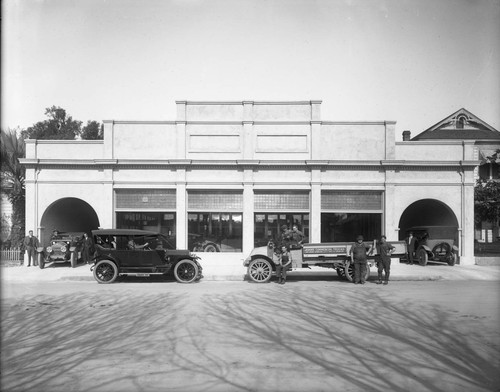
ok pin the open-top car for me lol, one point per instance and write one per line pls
(435, 243)
(63, 248)
(140, 253)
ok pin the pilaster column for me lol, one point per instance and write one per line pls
(248, 140)
(181, 210)
(248, 210)
(390, 140)
(316, 146)
(180, 136)
(315, 218)
(108, 139)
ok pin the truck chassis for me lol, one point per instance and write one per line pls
(261, 264)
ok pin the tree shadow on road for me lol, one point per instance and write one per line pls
(343, 340)
(86, 342)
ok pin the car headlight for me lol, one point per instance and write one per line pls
(49, 249)
(63, 249)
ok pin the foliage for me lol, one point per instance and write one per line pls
(487, 200)
(92, 131)
(12, 178)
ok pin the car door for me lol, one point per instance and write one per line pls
(133, 258)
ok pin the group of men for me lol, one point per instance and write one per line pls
(284, 245)
(359, 253)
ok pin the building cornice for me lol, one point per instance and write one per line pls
(173, 164)
(314, 101)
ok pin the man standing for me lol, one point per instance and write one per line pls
(30, 244)
(283, 264)
(296, 236)
(359, 259)
(384, 250)
(410, 244)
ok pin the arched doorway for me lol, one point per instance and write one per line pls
(426, 212)
(68, 214)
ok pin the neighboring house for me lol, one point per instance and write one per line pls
(463, 125)
(6, 221)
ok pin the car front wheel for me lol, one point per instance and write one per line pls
(73, 259)
(422, 257)
(260, 270)
(105, 271)
(186, 271)
(41, 261)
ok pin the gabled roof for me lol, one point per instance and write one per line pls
(461, 125)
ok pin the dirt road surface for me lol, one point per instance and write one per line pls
(314, 335)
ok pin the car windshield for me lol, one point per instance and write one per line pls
(159, 242)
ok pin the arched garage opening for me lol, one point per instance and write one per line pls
(68, 214)
(426, 212)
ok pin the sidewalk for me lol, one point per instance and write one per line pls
(399, 271)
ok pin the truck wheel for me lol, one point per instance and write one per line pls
(73, 259)
(186, 271)
(260, 270)
(422, 257)
(349, 271)
(451, 258)
(41, 261)
(105, 272)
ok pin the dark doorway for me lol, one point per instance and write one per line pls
(426, 212)
(68, 214)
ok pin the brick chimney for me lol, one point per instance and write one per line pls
(406, 136)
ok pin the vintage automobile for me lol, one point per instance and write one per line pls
(260, 264)
(435, 243)
(63, 248)
(149, 253)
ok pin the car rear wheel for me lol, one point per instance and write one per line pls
(260, 270)
(349, 271)
(41, 261)
(451, 258)
(186, 271)
(105, 271)
(422, 257)
(73, 259)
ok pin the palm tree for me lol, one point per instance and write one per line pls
(12, 148)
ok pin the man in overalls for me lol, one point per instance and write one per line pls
(359, 259)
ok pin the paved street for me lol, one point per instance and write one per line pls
(316, 334)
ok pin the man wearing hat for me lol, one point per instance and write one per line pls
(281, 256)
(359, 259)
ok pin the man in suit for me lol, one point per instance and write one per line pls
(30, 244)
(410, 243)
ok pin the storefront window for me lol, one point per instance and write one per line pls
(162, 222)
(344, 227)
(267, 225)
(215, 231)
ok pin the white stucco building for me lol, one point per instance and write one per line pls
(230, 173)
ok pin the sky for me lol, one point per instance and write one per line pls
(410, 61)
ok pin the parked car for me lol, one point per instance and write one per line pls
(140, 253)
(435, 243)
(63, 248)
